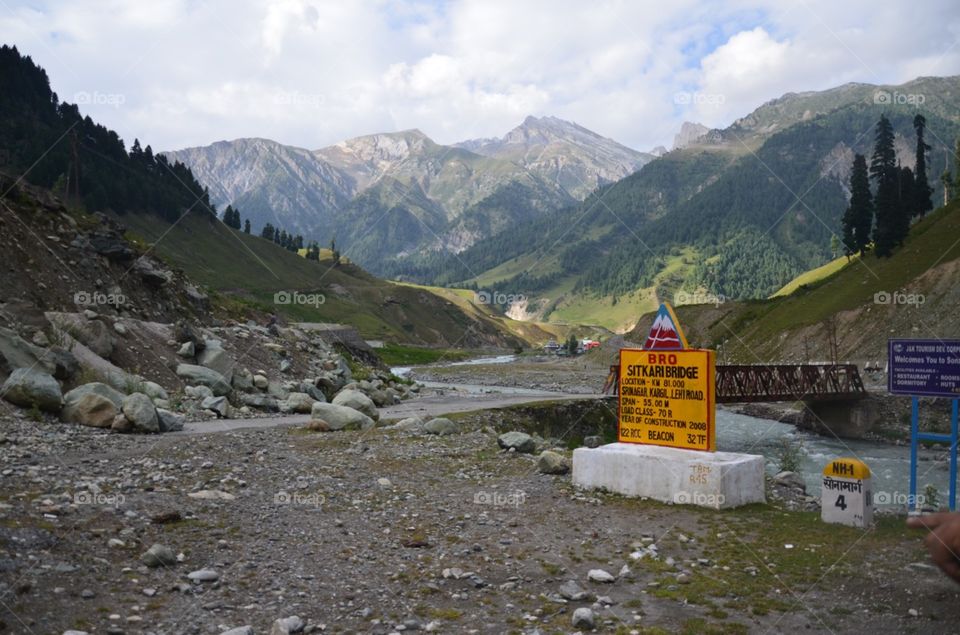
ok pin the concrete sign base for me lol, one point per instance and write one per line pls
(719, 480)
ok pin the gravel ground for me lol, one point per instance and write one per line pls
(386, 531)
(550, 373)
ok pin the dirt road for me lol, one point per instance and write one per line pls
(435, 405)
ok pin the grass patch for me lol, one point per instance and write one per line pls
(399, 354)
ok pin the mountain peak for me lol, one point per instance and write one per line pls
(689, 133)
(564, 152)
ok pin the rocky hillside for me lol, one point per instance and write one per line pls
(387, 197)
(289, 187)
(576, 159)
(61, 259)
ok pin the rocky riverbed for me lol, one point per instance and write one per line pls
(386, 531)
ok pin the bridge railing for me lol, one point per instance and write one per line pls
(788, 382)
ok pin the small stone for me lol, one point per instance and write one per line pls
(87, 594)
(440, 426)
(240, 630)
(517, 441)
(583, 618)
(570, 590)
(913, 613)
(599, 575)
(159, 555)
(553, 463)
(384, 482)
(287, 626)
(592, 441)
(116, 543)
(212, 495)
(204, 575)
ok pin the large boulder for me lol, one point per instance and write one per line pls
(28, 387)
(358, 401)
(154, 390)
(205, 377)
(151, 272)
(340, 417)
(218, 405)
(96, 388)
(260, 402)
(315, 393)
(16, 352)
(410, 424)
(140, 412)
(170, 421)
(90, 409)
(551, 462)
(214, 356)
(96, 336)
(198, 392)
(517, 441)
(299, 402)
(243, 380)
(441, 426)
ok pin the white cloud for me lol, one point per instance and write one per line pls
(312, 72)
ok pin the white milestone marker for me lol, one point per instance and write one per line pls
(846, 497)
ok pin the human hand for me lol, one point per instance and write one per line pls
(943, 541)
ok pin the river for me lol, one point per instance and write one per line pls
(889, 464)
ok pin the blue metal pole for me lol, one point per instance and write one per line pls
(953, 455)
(914, 433)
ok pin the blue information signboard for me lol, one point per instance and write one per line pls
(928, 368)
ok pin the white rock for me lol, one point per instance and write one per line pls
(599, 575)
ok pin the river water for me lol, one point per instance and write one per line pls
(889, 464)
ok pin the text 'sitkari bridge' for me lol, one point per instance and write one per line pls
(738, 383)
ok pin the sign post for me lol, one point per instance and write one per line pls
(668, 390)
(846, 497)
(929, 368)
(668, 399)
(666, 429)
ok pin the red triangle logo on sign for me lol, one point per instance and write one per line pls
(665, 334)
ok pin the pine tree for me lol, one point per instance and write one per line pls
(246, 226)
(955, 190)
(921, 187)
(888, 232)
(908, 196)
(858, 218)
(336, 253)
(267, 232)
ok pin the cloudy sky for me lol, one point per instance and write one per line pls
(312, 72)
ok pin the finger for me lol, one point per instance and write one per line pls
(930, 521)
(952, 569)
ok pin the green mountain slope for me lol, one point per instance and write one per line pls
(857, 301)
(247, 272)
(748, 214)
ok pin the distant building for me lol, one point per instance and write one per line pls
(551, 347)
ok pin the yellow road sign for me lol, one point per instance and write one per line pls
(846, 467)
(668, 398)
